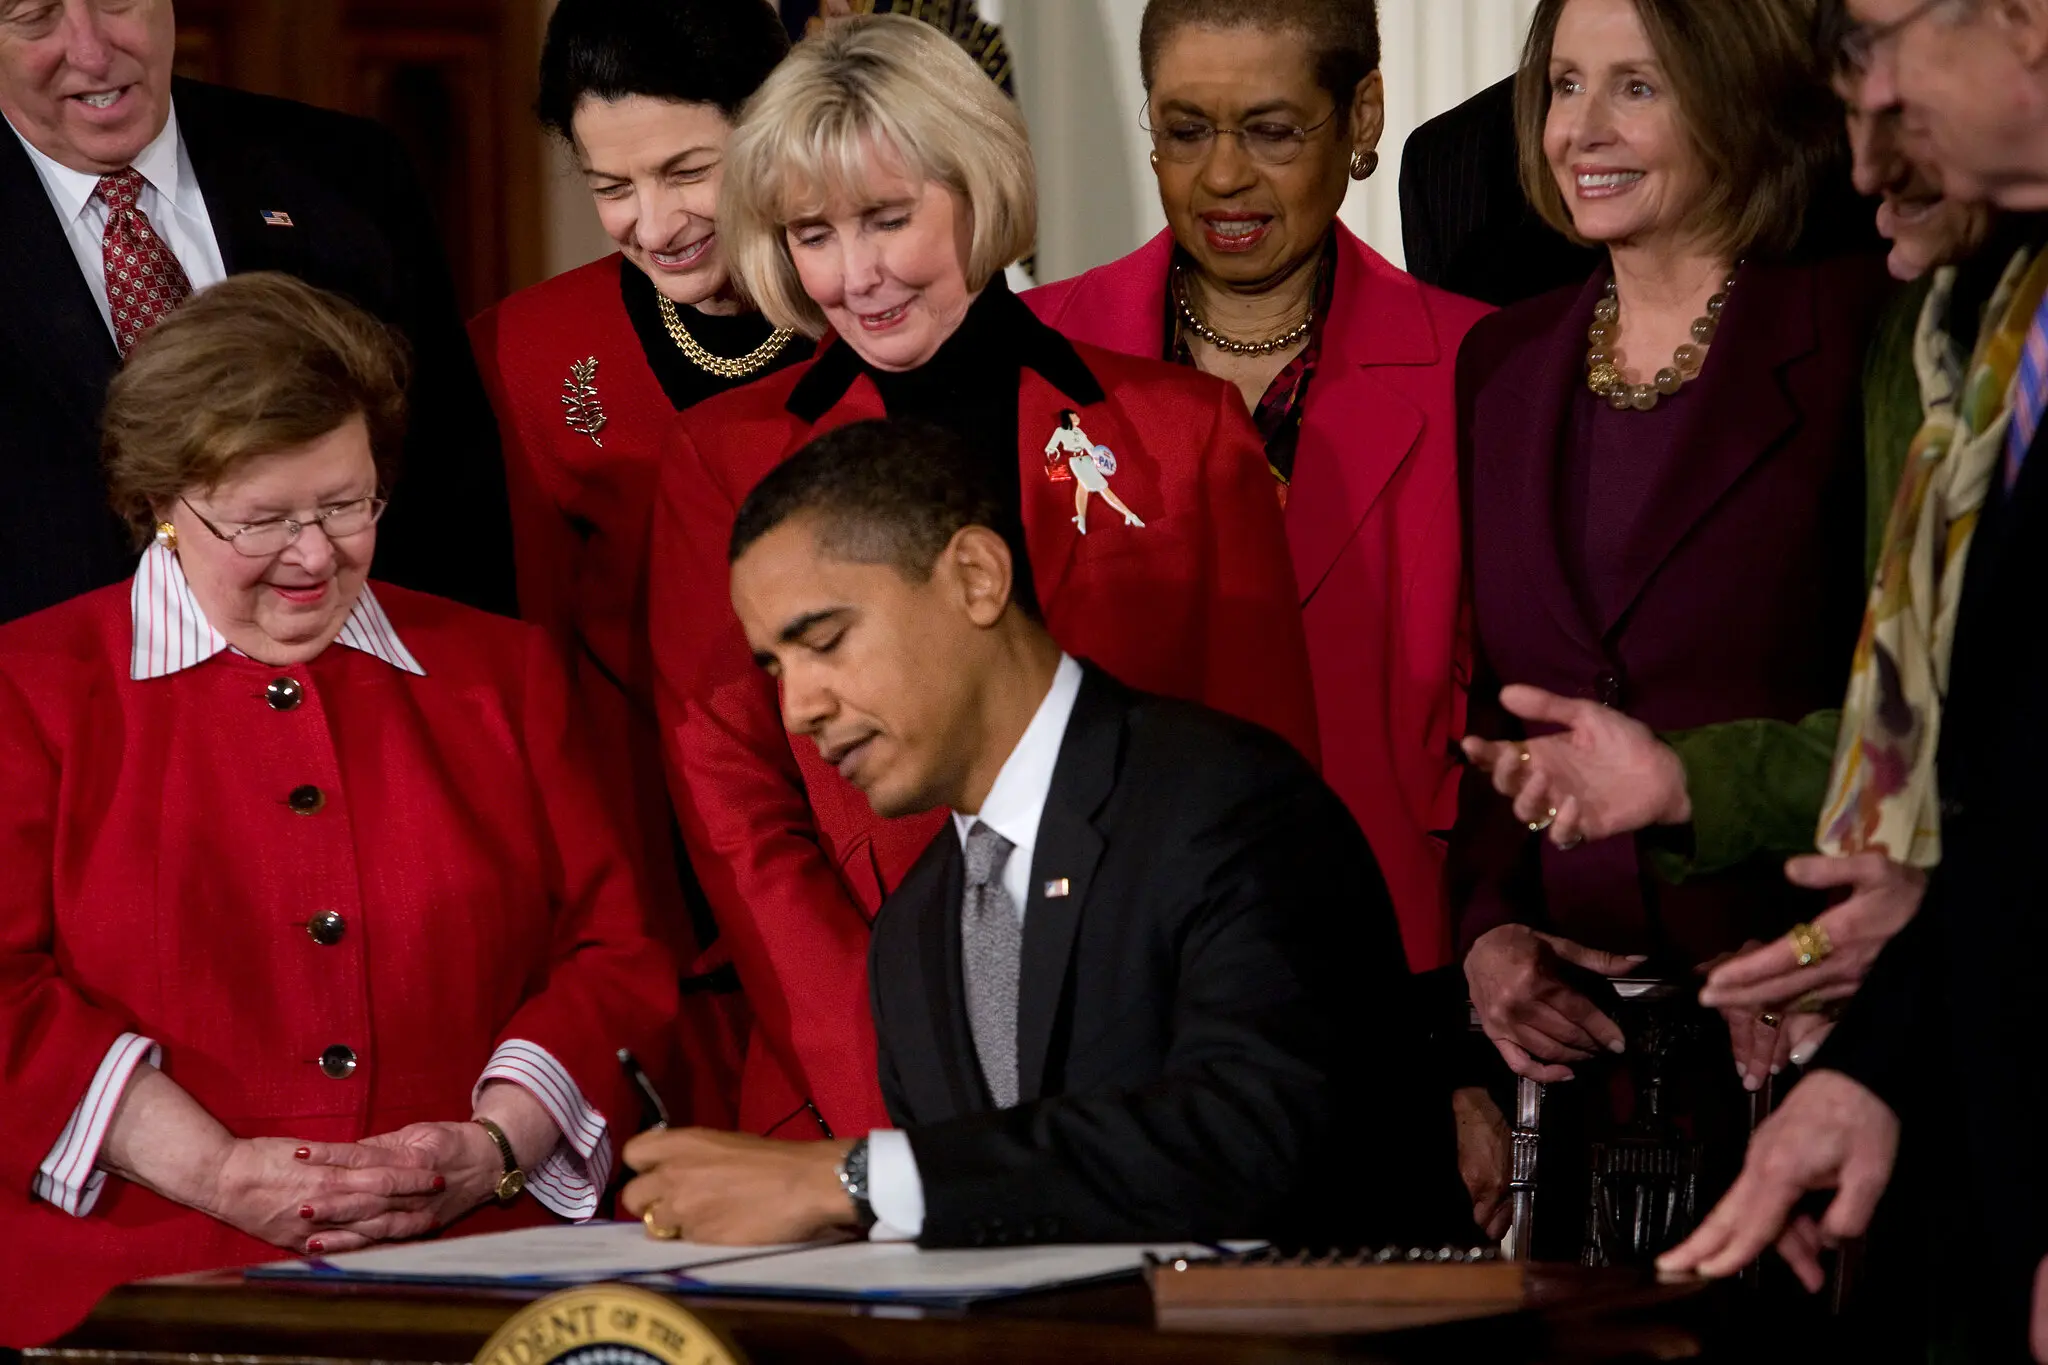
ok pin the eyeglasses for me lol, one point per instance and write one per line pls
(1270, 142)
(1860, 44)
(262, 539)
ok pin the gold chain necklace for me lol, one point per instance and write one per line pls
(1230, 345)
(1603, 374)
(739, 367)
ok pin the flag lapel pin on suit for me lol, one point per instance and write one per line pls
(277, 218)
(1059, 888)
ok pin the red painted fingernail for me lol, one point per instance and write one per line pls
(316, 1246)
(304, 1154)
(440, 1184)
(306, 1212)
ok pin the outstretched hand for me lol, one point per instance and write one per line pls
(1830, 1134)
(1601, 774)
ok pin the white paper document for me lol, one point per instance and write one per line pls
(901, 1270)
(574, 1253)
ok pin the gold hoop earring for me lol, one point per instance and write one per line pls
(167, 535)
(1155, 161)
(1363, 164)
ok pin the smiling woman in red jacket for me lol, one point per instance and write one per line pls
(1262, 113)
(877, 186)
(312, 932)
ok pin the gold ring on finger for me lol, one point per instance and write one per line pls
(1549, 817)
(657, 1231)
(1810, 942)
(1767, 1019)
(1525, 755)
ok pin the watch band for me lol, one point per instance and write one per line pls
(853, 1178)
(513, 1181)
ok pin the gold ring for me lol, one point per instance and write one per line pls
(1810, 942)
(657, 1231)
(1767, 1019)
(1538, 826)
(1525, 755)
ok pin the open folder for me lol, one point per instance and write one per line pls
(583, 1253)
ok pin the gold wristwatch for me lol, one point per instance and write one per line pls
(513, 1181)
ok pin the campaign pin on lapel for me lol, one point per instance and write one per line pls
(277, 218)
(1059, 888)
(1070, 457)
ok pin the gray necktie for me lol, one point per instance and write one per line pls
(991, 951)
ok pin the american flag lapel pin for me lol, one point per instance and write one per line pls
(1059, 888)
(277, 218)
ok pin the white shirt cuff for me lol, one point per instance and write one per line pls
(70, 1176)
(572, 1177)
(895, 1189)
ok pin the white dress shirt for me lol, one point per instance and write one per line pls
(171, 635)
(1015, 804)
(170, 200)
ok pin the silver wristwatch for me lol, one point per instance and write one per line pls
(853, 1178)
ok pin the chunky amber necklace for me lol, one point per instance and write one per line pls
(1603, 374)
(739, 367)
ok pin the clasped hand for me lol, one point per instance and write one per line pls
(325, 1197)
(1536, 1020)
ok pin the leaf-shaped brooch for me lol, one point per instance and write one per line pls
(585, 412)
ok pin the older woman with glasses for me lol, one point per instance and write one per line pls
(311, 933)
(876, 187)
(1262, 114)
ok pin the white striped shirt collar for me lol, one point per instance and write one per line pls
(172, 633)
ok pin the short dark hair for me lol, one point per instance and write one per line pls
(1343, 35)
(692, 51)
(890, 492)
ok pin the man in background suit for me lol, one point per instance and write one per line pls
(1465, 224)
(1147, 985)
(114, 174)
(1941, 1046)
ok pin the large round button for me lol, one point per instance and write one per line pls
(327, 927)
(284, 694)
(338, 1062)
(306, 800)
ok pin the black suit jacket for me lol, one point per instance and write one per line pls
(360, 227)
(1214, 1036)
(1947, 1029)
(1465, 225)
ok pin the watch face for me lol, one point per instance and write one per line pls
(511, 1185)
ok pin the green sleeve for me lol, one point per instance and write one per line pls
(1756, 787)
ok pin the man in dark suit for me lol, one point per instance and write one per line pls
(1146, 986)
(1465, 224)
(1941, 1046)
(121, 191)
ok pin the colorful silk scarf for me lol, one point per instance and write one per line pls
(1882, 795)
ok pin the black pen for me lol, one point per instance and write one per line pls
(650, 1099)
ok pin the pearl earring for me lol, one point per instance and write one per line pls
(167, 535)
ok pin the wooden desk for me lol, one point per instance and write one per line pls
(1571, 1317)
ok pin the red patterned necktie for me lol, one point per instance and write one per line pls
(144, 280)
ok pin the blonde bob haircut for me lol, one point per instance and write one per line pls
(877, 85)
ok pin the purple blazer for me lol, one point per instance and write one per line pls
(1743, 583)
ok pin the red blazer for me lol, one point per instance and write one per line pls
(1198, 603)
(580, 510)
(157, 882)
(1373, 526)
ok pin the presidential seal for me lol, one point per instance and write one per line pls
(607, 1324)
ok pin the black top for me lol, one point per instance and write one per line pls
(1613, 465)
(969, 386)
(686, 383)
